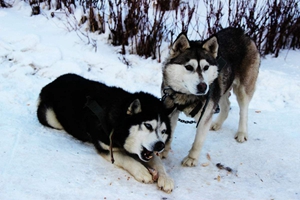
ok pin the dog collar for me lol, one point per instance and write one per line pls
(169, 92)
(194, 111)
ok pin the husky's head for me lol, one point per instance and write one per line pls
(148, 127)
(191, 66)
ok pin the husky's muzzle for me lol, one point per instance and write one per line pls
(146, 155)
(202, 88)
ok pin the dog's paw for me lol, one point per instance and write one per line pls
(215, 126)
(142, 174)
(241, 137)
(165, 183)
(189, 162)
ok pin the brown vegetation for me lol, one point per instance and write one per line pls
(140, 26)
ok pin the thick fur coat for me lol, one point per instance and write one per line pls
(128, 129)
(199, 75)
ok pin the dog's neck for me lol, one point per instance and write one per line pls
(179, 97)
(180, 101)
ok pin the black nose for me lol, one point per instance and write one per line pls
(201, 87)
(159, 146)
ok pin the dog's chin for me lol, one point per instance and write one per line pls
(201, 93)
(195, 92)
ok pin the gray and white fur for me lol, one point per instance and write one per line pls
(199, 73)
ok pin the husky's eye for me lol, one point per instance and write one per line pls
(205, 67)
(148, 126)
(189, 67)
(164, 131)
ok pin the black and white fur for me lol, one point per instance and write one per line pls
(194, 78)
(138, 122)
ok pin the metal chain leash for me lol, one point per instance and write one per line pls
(217, 110)
(186, 121)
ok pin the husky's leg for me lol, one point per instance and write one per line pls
(224, 104)
(164, 182)
(135, 168)
(243, 101)
(202, 129)
(244, 87)
(173, 120)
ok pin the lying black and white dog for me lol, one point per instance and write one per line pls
(127, 129)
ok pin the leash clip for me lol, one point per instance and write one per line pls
(166, 94)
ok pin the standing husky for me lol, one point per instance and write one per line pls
(200, 74)
(128, 129)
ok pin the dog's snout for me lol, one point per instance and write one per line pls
(201, 87)
(159, 146)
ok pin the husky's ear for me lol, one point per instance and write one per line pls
(180, 44)
(134, 108)
(211, 46)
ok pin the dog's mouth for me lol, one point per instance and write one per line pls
(146, 155)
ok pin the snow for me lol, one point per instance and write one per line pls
(41, 163)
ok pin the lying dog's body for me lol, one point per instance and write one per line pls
(199, 75)
(129, 128)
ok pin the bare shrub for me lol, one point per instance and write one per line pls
(141, 26)
(273, 26)
(150, 35)
(167, 5)
(283, 21)
(35, 7)
(214, 15)
(130, 23)
(4, 4)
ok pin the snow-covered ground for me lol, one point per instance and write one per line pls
(42, 163)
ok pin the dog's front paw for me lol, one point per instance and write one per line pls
(215, 126)
(142, 174)
(165, 183)
(241, 136)
(189, 162)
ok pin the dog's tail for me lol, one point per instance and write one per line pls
(47, 116)
(41, 113)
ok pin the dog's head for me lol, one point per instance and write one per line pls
(191, 66)
(148, 127)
